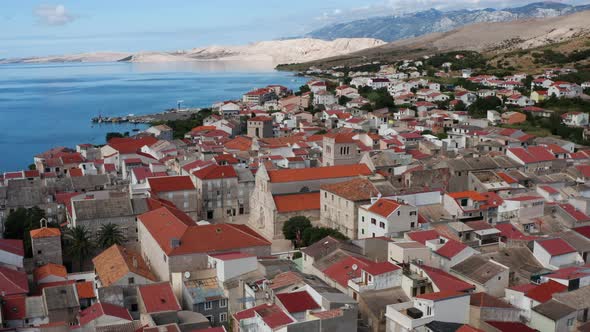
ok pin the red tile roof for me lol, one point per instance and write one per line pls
(445, 281)
(384, 207)
(297, 301)
(101, 309)
(534, 154)
(216, 172)
(359, 189)
(376, 269)
(318, 173)
(297, 202)
(13, 282)
(128, 145)
(569, 273)
(85, 290)
(13, 246)
(342, 270)
(556, 247)
(510, 326)
(14, 307)
(271, 314)
(473, 195)
(165, 225)
(423, 236)
(583, 230)
(50, 269)
(451, 249)
(45, 232)
(574, 212)
(544, 292)
(171, 183)
(158, 297)
(510, 232)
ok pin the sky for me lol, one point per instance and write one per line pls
(37, 28)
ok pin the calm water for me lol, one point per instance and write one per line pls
(47, 105)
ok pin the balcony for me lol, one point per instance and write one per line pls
(398, 314)
(359, 285)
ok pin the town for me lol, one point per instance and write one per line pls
(419, 195)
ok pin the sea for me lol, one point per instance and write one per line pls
(48, 105)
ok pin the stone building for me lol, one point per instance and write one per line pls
(339, 204)
(179, 190)
(260, 126)
(46, 245)
(340, 149)
(272, 183)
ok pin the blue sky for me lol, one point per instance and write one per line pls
(30, 28)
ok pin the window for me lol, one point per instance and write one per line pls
(363, 218)
(38, 252)
(412, 225)
(134, 307)
(399, 212)
(570, 322)
(382, 225)
(428, 311)
(210, 318)
(131, 280)
(223, 303)
(373, 221)
(412, 213)
(208, 305)
(363, 231)
(222, 317)
(164, 257)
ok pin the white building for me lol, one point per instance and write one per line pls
(386, 217)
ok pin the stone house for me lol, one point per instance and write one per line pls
(179, 190)
(46, 246)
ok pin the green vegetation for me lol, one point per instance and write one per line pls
(20, 222)
(114, 134)
(79, 244)
(549, 56)
(108, 235)
(379, 98)
(479, 109)
(300, 230)
(181, 127)
(580, 77)
(564, 105)
(470, 59)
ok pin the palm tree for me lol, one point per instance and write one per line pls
(79, 243)
(110, 234)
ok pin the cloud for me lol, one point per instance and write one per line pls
(53, 15)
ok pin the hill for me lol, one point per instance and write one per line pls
(270, 53)
(392, 28)
(491, 38)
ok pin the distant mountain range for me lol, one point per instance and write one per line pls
(392, 28)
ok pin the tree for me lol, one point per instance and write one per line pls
(312, 235)
(20, 222)
(108, 235)
(294, 228)
(343, 100)
(79, 244)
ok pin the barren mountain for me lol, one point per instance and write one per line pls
(271, 52)
(483, 37)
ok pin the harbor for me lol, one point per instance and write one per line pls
(168, 115)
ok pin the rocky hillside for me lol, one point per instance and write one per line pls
(392, 28)
(491, 38)
(271, 53)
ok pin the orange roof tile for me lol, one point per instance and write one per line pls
(297, 202)
(474, 195)
(171, 183)
(45, 232)
(116, 262)
(85, 290)
(50, 269)
(164, 226)
(384, 207)
(318, 173)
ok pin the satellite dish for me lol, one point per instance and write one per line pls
(355, 267)
(187, 275)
